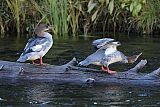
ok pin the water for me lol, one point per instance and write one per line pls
(65, 95)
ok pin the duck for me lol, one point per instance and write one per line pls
(107, 54)
(37, 46)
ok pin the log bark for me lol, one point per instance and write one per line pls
(13, 72)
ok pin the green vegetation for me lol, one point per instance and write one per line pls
(81, 16)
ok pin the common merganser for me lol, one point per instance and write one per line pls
(37, 46)
(106, 55)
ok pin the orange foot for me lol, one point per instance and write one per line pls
(108, 71)
(40, 64)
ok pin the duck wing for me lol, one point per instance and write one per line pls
(94, 58)
(98, 43)
(35, 44)
(113, 58)
(108, 48)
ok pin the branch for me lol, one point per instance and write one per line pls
(139, 66)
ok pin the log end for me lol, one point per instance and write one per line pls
(139, 66)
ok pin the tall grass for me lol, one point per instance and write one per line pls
(1, 26)
(74, 11)
(58, 16)
(15, 8)
(81, 16)
(149, 19)
(55, 13)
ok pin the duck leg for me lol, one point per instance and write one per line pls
(33, 62)
(41, 62)
(106, 69)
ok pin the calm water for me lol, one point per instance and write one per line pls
(64, 49)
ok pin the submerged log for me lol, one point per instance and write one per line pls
(13, 72)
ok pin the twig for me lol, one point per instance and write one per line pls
(1, 68)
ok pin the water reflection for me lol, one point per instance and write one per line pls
(78, 96)
(63, 50)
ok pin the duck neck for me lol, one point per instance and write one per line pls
(114, 48)
(41, 34)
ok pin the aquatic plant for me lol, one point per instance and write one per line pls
(53, 12)
(58, 16)
(15, 8)
(149, 18)
(81, 16)
(1, 26)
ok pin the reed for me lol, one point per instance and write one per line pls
(74, 11)
(81, 16)
(149, 19)
(58, 16)
(55, 13)
(15, 8)
(1, 26)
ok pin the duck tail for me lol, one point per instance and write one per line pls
(83, 63)
(22, 59)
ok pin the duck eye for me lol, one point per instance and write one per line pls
(46, 26)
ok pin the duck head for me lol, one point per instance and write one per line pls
(111, 45)
(133, 58)
(41, 29)
(116, 43)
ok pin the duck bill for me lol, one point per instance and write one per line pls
(49, 29)
(116, 43)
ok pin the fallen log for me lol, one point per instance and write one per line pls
(13, 72)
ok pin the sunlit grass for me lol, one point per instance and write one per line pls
(80, 16)
(58, 16)
(15, 8)
(149, 18)
(1, 26)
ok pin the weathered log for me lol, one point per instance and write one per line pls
(13, 72)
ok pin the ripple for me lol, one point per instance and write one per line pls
(95, 103)
(143, 94)
(1, 99)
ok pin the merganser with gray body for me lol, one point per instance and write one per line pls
(37, 46)
(106, 55)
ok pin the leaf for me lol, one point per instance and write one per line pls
(22, 0)
(138, 8)
(94, 16)
(123, 5)
(107, 2)
(144, 1)
(91, 7)
(101, 1)
(134, 13)
(90, 2)
(131, 7)
(69, 17)
(111, 6)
